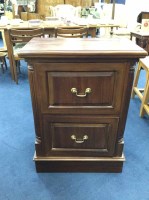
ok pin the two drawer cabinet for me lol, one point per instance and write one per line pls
(80, 91)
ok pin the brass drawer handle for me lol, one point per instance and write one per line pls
(79, 140)
(87, 91)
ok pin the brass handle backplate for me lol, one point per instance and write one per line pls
(87, 91)
(79, 140)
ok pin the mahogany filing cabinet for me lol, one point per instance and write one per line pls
(80, 89)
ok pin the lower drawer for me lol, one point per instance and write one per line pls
(80, 136)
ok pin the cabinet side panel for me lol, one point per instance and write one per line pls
(129, 75)
(37, 120)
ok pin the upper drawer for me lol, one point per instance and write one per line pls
(81, 88)
(81, 91)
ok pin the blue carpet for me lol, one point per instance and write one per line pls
(18, 178)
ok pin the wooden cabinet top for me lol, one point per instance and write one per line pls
(80, 47)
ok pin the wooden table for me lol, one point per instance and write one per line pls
(142, 39)
(80, 92)
(49, 29)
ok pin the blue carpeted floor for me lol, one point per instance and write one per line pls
(18, 178)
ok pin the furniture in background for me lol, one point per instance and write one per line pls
(127, 19)
(113, 12)
(25, 16)
(49, 29)
(143, 39)
(143, 94)
(80, 90)
(142, 15)
(60, 8)
(43, 8)
(44, 11)
(26, 13)
(65, 11)
(16, 39)
(71, 32)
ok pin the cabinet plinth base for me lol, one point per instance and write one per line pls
(88, 164)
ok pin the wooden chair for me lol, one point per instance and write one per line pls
(71, 32)
(143, 94)
(17, 39)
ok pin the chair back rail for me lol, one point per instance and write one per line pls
(18, 36)
(71, 32)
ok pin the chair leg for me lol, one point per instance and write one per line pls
(15, 72)
(2, 67)
(145, 101)
(18, 66)
(5, 63)
(135, 83)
